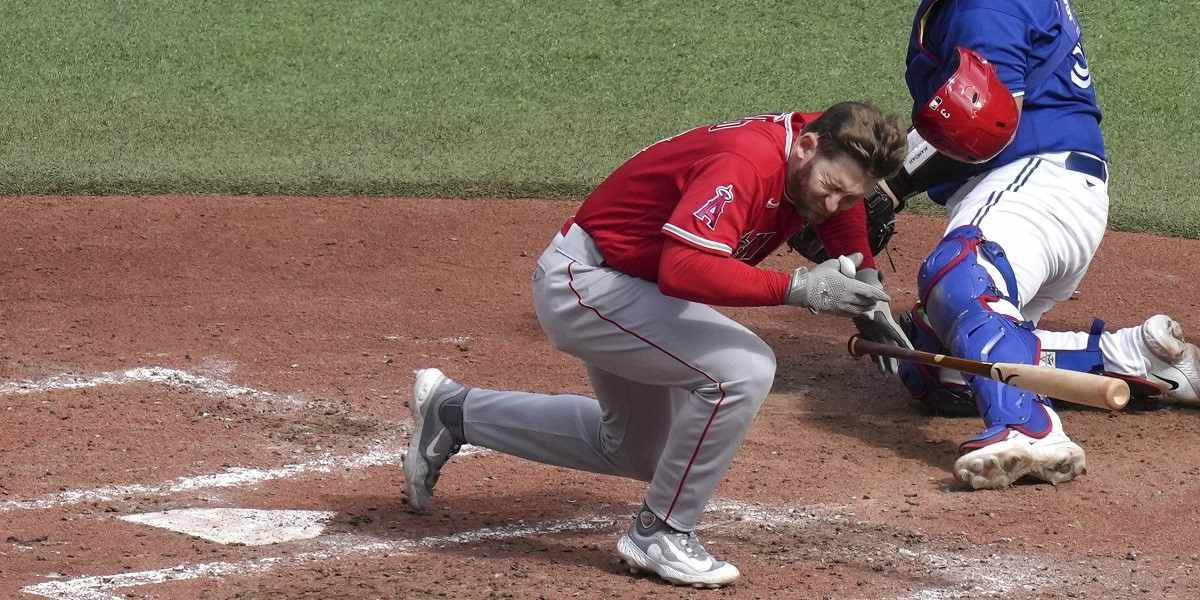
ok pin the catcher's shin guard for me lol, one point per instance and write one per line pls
(958, 294)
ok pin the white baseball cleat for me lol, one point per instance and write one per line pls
(431, 443)
(1172, 362)
(676, 556)
(1053, 458)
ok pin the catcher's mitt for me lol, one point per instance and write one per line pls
(881, 224)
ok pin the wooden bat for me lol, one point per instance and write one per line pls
(1070, 386)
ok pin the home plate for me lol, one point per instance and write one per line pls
(239, 525)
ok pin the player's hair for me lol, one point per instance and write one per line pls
(859, 130)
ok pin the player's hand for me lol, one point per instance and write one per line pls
(878, 325)
(831, 287)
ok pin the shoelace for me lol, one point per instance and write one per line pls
(691, 544)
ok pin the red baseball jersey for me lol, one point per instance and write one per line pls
(716, 188)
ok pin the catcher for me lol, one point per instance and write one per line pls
(1007, 137)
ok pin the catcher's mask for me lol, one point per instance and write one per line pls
(972, 117)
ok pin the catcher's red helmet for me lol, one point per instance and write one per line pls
(972, 116)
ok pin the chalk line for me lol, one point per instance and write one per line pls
(160, 375)
(383, 455)
(970, 575)
(100, 587)
(976, 577)
(337, 547)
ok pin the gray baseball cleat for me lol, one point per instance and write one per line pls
(431, 443)
(1173, 363)
(676, 556)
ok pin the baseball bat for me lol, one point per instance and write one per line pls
(1069, 386)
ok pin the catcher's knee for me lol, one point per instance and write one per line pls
(965, 274)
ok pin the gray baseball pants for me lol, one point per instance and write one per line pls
(677, 384)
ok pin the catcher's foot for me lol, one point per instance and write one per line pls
(1053, 458)
(1173, 363)
(431, 443)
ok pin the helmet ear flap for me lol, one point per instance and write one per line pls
(972, 116)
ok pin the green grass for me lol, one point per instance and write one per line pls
(1143, 56)
(500, 98)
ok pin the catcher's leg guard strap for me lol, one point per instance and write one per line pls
(1087, 360)
(958, 293)
(1091, 360)
(994, 254)
(920, 379)
(924, 382)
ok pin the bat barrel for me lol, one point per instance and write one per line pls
(1071, 386)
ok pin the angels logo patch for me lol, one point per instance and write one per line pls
(710, 212)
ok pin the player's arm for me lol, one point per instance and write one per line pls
(968, 116)
(701, 235)
(967, 119)
(687, 273)
(704, 230)
(924, 167)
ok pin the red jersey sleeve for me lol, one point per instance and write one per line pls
(711, 216)
(688, 273)
(846, 233)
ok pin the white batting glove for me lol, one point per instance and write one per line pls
(831, 287)
(878, 325)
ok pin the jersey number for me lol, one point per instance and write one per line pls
(1080, 75)
(746, 121)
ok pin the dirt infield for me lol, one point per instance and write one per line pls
(167, 355)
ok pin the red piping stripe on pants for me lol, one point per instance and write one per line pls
(720, 387)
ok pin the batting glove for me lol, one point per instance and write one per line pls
(831, 287)
(878, 325)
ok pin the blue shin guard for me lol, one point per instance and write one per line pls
(957, 291)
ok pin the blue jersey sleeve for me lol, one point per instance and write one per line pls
(1000, 36)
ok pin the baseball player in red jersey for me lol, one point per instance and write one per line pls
(628, 286)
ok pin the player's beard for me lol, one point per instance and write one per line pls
(794, 188)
